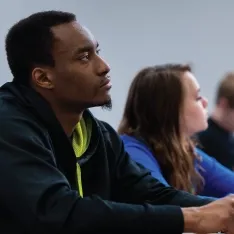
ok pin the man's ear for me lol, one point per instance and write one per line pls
(43, 78)
(223, 103)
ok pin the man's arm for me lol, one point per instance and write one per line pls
(39, 197)
(136, 184)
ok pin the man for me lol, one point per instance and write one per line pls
(218, 140)
(62, 170)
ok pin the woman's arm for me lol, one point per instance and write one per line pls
(142, 155)
(219, 181)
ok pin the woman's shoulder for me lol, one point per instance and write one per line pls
(133, 141)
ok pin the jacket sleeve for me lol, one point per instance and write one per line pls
(134, 179)
(38, 196)
(219, 181)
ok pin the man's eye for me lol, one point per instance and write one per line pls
(84, 57)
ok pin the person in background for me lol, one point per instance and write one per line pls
(64, 171)
(164, 109)
(218, 140)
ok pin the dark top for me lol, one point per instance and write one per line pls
(38, 179)
(218, 143)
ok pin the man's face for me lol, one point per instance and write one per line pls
(80, 75)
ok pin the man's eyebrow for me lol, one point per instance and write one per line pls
(86, 48)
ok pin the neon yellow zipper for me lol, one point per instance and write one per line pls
(78, 171)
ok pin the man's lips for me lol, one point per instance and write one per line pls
(106, 83)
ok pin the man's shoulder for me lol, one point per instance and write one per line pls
(16, 119)
(107, 129)
(106, 126)
(110, 135)
(103, 125)
(10, 106)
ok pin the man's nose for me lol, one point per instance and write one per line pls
(103, 67)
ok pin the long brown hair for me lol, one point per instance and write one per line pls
(152, 112)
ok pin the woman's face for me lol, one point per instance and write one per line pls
(194, 113)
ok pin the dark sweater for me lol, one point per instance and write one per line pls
(38, 179)
(218, 143)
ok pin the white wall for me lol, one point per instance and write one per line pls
(133, 34)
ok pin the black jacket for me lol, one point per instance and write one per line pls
(38, 179)
(218, 143)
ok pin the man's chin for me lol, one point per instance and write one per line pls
(107, 105)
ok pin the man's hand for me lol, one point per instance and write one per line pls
(212, 218)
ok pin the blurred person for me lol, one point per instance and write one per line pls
(64, 171)
(164, 109)
(218, 140)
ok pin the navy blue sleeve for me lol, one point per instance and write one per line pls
(219, 181)
(143, 156)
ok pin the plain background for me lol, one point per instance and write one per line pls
(133, 34)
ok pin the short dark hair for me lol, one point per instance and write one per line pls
(29, 42)
(225, 89)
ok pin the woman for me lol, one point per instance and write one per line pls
(164, 109)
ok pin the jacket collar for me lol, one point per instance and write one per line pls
(41, 109)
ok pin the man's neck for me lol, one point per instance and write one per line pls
(67, 118)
